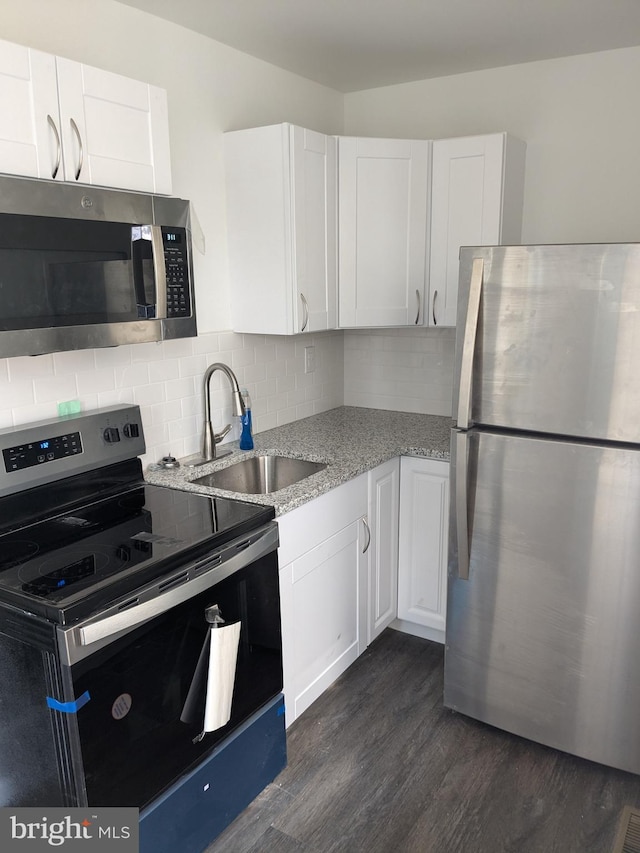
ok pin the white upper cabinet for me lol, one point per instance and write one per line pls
(115, 131)
(281, 229)
(383, 206)
(66, 121)
(477, 188)
(29, 122)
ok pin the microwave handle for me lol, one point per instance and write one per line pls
(159, 272)
(143, 239)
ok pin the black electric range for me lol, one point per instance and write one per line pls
(79, 527)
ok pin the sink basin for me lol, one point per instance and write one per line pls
(260, 475)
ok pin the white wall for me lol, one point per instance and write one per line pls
(577, 116)
(211, 88)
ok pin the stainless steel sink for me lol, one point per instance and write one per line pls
(260, 475)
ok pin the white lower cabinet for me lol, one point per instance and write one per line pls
(353, 560)
(422, 569)
(323, 591)
(384, 486)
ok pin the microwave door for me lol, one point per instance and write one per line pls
(149, 273)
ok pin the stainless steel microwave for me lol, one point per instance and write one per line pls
(84, 267)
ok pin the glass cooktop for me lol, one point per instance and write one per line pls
(66, 565)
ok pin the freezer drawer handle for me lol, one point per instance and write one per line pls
(462, 527)
(469, 344)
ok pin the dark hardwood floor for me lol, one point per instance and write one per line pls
(377, 764)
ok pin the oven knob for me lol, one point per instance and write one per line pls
(131, 430)
(111, 434)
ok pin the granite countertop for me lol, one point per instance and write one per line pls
(350, 440)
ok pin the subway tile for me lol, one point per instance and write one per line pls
(55, 389)
(73, 362)
(146, 352)
(95, 381)
(17, 394)
(194, 365)
(112, 357)
(132, 375)
(147, 395)
(30, 367)
(207, 345)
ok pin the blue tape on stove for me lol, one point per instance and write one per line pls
(69, 707)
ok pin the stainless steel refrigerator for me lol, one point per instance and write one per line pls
(543, 613)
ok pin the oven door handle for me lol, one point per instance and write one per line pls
(75, 642)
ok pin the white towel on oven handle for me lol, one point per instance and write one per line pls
(223, 654)
(219, 655)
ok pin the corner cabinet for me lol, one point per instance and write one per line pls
(68, 121)
(477, 187)
(422, 569)
(281, 229)
(383, 192)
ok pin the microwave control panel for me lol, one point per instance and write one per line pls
(176, 263)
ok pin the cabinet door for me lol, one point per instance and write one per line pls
(30, 141)
(313, 187)
(115, 130)
(383, 190)
(476, 200)
(422, 571)
(281, 229)
(323, 591)
(384, 484)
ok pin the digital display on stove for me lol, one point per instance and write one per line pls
(40, 452)
(44, 585)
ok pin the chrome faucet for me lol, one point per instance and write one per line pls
(210, 438)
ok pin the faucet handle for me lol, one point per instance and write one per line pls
(218, 436)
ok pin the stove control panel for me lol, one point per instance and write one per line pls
(42, 452)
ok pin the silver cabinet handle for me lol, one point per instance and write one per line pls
(418, 314)
(469, 344)
(53, 127)
(305, 305)
(433, 307)
(368, 532)
(462, 525)
(74, 128)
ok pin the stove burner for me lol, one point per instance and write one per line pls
(18, 551)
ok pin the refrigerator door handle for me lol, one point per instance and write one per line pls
(469, 344)
(462, 524)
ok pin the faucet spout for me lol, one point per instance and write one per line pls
(210, 438)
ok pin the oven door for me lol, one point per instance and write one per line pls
(137, 732)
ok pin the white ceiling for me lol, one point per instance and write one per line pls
(351, 45)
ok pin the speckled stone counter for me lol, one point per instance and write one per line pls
(348, 439)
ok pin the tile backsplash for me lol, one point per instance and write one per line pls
(165, 380)
(407, 370)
